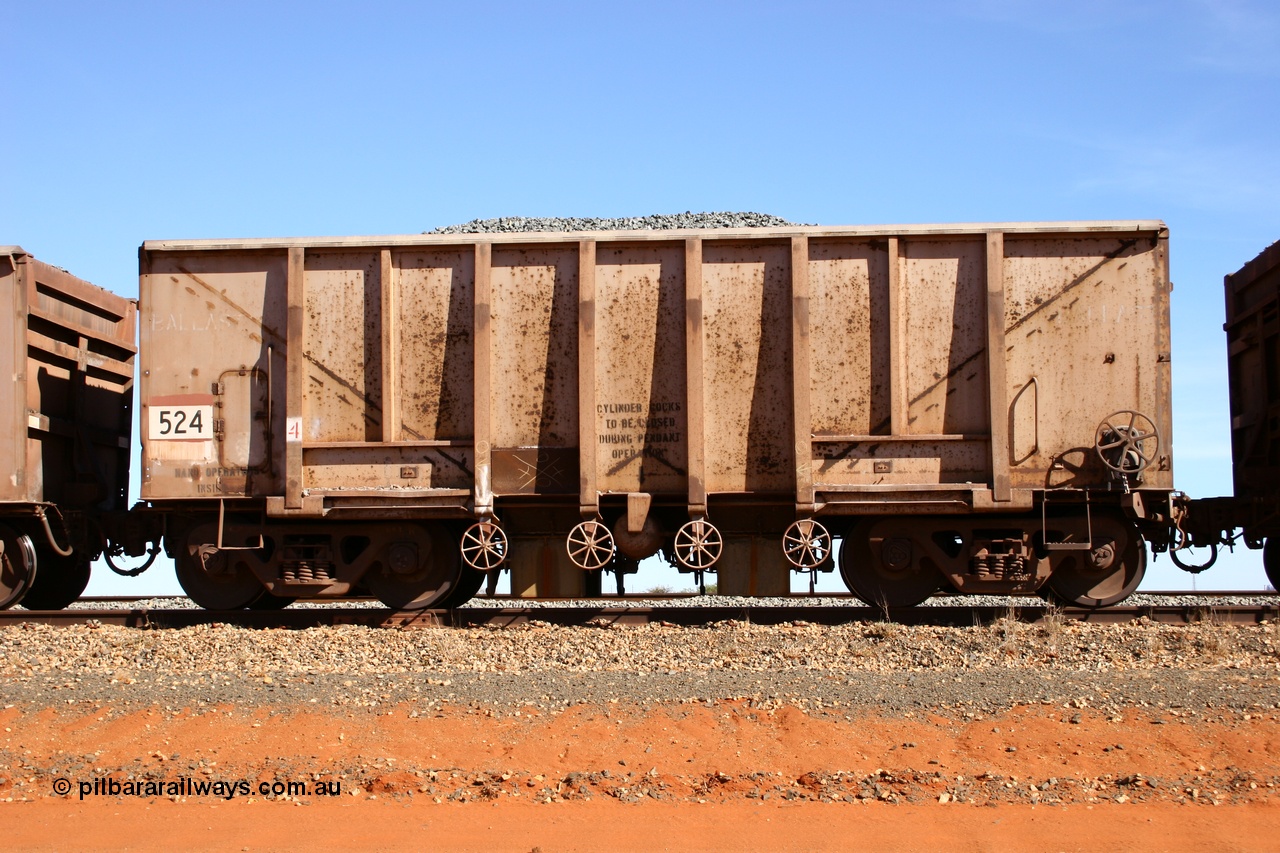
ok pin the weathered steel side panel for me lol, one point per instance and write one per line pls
(899, 326)
(343, 311)
(14, 484)
(67, 397)
(394, 470)
(534, 399)
(1070, 300)
(746, 305)
(434, 323)
(1085, 326)
(214, 334)
(1253, 369)
(849, 315)
(216, 323)
(944, 287)
(640, 419)
(691, 385)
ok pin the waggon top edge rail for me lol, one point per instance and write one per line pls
(813, 231)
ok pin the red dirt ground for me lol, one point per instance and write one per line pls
(703, 768)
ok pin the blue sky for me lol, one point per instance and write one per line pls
(130, 121)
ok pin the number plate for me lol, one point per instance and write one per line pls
(180, 423)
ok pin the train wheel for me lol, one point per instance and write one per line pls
(1271, 561)
(420, 566)
(268, 601)
(17, 566)
(469, 583)
(1106, 575)
(220, 581)
(60, 582)
(883, 572)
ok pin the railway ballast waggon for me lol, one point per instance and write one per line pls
(66, 417)
(982, 408)
(1252, 512)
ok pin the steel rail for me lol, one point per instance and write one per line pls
(588, 616)
(682, 596)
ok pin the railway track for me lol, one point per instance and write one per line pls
(1182, 608)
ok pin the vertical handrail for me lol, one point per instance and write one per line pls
(1032, 383)
(1035, 440)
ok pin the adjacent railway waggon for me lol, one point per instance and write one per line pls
(66, 417)
(984, 408)
(1252, 513)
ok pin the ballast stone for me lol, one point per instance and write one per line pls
(655, 222)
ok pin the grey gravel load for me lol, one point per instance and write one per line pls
(656, 222)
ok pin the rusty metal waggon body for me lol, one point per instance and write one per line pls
(981, 407)
(1252, 512)
(1253, 370)
(66, 405)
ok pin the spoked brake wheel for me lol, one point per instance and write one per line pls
(590, 545)
(484, 546)
(698, 545)
(806, 544)
(1127, 442)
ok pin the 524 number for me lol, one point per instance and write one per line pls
(180, 423)
(176, 423)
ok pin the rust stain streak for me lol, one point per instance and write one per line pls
(1080, 279)
(460, 464)
(262, 324)
(1125, 245)
(248, 315)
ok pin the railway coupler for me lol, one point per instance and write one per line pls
(136, 533)
(1191, 529)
